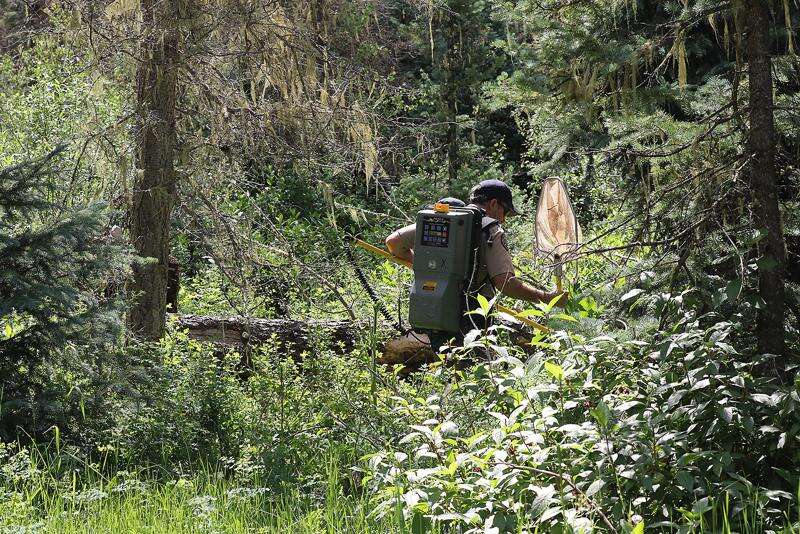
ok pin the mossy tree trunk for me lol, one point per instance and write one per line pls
(154, 186)
(761, 141)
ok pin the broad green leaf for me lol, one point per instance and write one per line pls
(544, 496)
(555, 370)
(596, 486)
(484, 303)
(631, 294)
(685, 480)
(734, 289)
(726, 412)
(702, 506)
(625, 406)
(550, 514)
(639, 528)
(451, 469)
(601, 414)
(718, 297)
(763, 399)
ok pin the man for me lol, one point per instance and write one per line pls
(496, 269)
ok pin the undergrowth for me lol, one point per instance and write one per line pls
(680, 434)
(591, 430)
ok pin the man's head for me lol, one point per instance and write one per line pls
(494, 196)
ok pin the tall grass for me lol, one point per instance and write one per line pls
(34, 499)
(210, 507)
(42, 492)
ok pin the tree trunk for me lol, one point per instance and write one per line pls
(154, 185)
(767, 217)
(173, 285)
(453, 162)
(452, 68)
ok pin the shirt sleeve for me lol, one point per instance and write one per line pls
(498, 258)
(407, 235)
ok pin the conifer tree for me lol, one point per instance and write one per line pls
(56, 270)
(676, 99)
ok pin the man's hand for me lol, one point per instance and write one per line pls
(395, 245)
(511, 286)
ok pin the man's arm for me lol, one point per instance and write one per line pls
(401, 243)
(511, 286)
(501, 270)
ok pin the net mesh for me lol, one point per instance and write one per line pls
(558, 232)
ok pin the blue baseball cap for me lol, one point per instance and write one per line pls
(497, 189)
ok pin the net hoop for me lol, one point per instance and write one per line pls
(558, 233)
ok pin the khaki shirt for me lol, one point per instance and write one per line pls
(496, 258)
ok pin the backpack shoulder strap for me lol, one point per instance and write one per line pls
(487, 223)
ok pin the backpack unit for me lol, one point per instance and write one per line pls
(447, 256)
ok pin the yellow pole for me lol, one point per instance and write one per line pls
(381, 252)
(388, 255)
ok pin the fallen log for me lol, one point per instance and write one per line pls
(288, 334)
(293, 337)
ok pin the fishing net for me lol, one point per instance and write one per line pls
(558, 233)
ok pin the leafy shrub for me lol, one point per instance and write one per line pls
(279, 423)
(599, 434)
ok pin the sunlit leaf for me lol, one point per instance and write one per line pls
(631, 294)
(565, 317)
(555, 370)
(596, 486)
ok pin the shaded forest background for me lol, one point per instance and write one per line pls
(240, 145)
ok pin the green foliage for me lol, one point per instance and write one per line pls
(679, 433)
(33, 497)
(209, 292)
(57, 278)
(50, 95)
(270, 414)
